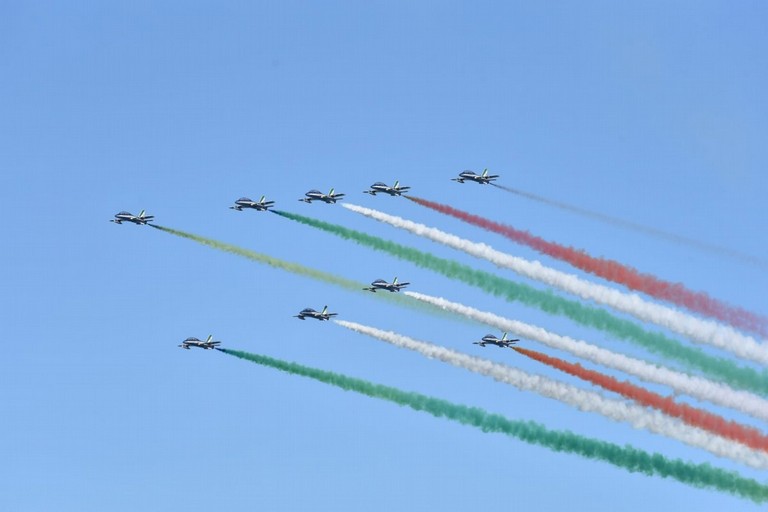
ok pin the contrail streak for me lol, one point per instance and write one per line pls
(295, 268)
(639, 228)
(626, 457)
(696, 329)
(697, 387)
(637, 416)
(691, 415)
(677, 293)
(716, 367)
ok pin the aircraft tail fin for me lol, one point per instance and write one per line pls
(395, 281)
(142, 213)
(331, 192)
(262, 199)
(210, 337)
(485, 173)
(325, 310)
(397, 184)
(504, 338)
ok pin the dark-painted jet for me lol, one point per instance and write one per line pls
(316, 195)
(245, 202)
(482, 179)
(490, 339)
(139, 219)
(208, 344)
(311, 313)
(381, 284)
(383, 188)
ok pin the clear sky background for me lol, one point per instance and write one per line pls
(654, 113)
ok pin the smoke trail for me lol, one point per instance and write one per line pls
(616, 410)
(697, 387)
(637, 416)
(717, 367)
(639, 228)
(626, 457)
(696, 329)
(295, 268)
(611, 270)
(691, 415)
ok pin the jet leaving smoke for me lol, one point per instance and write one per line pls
(697, 387)
(295, 268)
(626, 457)
(696, 329)
(723, 369)
(637, 416)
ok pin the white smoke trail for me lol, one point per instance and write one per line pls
(639, 417)
(696, 329)
(697, 387)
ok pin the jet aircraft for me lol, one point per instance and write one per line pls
(245, 202)
(490, 339)
(311, 313)
(139, 219)
(482, 179)
(394, 190)
(208, 344)
(316, 195)
(381, 284)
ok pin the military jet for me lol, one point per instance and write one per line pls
(139, 219)
(311, 313)
(208, 344)
(394, 190)
(316, 195)
(482, 179)
(245, 202)
(490, 339)
(381, 284)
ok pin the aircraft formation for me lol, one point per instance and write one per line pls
(245, 203)
(614, 409)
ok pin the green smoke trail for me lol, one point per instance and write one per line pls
(304, 271)
(627, 457)
(693, 358)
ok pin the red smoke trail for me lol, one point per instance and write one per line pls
(691, 415)
(676, 293)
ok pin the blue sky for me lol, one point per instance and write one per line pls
(651, 113)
